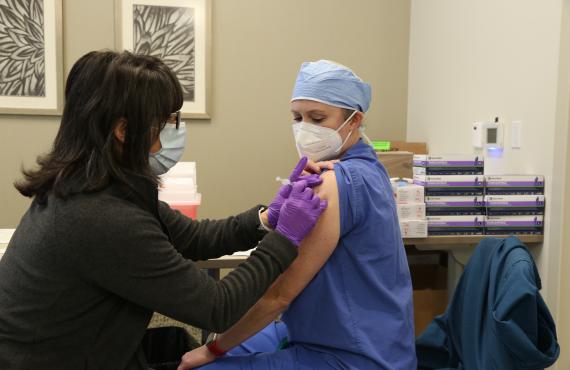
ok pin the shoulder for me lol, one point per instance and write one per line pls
(357, 180)
(349, 175)
(101, 217)
(329, 188)
(328, 191)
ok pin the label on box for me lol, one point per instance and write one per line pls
(515, 221)
(456, 221)
(515, 181)
(419, 170)
(408, 194)
(458, 160)
(453, 181)
(439, 171)
(415, 211)
(515, 200)
(453, 201)
(413, 228)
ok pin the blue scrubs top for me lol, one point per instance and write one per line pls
(358, 308)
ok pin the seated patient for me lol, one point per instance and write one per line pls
(347, 299)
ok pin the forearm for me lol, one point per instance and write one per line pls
(258, 317)
(205, 239)
(248, 282)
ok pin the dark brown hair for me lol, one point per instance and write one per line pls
(102, 88)
(347, 112)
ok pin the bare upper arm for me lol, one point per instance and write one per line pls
(315, 249)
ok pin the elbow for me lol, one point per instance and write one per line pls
(279, 303)
(276, 299)
(267, 306)
(284, 303)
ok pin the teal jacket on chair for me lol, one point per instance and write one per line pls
(497, 319)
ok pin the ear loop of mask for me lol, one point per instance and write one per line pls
(361, 129)
(349, 134)
(368, 141)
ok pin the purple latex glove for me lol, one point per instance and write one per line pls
(283, 193)
(300, 212)
(312, 180)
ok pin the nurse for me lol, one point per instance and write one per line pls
(96, 253)
(347, 299)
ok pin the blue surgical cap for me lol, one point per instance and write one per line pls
(332, 84)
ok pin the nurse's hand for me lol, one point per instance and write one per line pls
(299, 173)
(275, 206)
(196, 358)
(300, 212)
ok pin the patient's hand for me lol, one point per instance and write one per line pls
(318, 167)
(196, 358)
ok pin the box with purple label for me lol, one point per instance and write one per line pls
(514, 184)
(456, 225)
(458, 164)
(455, 205)
(508, 225)
(498, 205)
(455, 185)
(447, 170)
(452, 160)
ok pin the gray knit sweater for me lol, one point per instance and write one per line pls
(81, 277)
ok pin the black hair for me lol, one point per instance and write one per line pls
(102, 89)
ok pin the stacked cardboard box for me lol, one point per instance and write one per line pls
(454, 188)
(411, 209)
(515, 204)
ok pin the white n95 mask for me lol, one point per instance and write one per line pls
(173, 142)
(319, 143)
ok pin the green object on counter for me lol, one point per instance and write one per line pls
(381, 146)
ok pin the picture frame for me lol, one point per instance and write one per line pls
(179, 33)
(31, 57)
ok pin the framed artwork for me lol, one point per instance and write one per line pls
(178, 32)
(31, 58)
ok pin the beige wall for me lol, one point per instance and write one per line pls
(258, 46)
(564, 306)
(563, 319)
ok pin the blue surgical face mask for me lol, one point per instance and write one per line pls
(173, 142)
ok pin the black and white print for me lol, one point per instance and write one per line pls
(22, 56)
(167, 32)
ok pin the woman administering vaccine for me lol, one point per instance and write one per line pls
(347, 299)
(96, 253)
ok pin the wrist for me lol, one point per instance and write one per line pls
(287, 236)
(213, 346)
(263, 219)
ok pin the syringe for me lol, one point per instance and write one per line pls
(283, 181)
